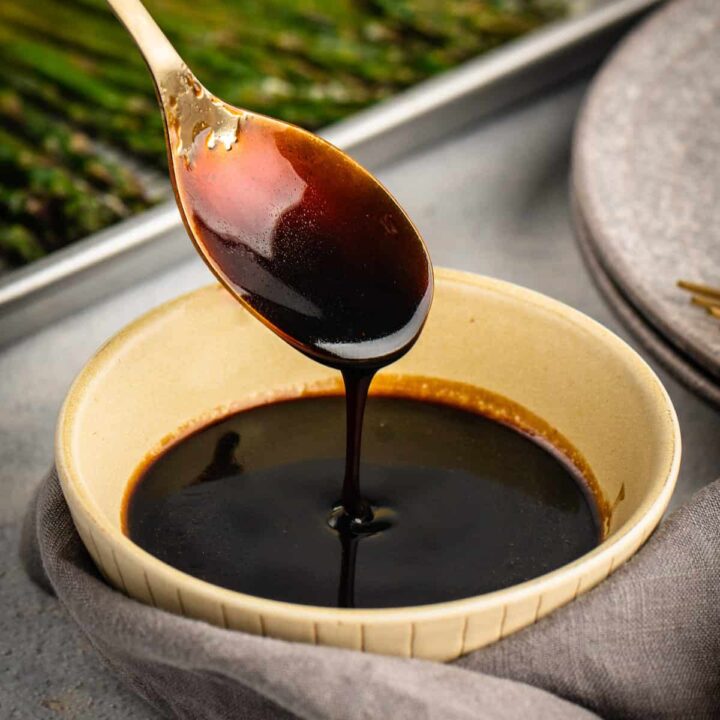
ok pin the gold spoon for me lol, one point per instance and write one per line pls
(305, 237)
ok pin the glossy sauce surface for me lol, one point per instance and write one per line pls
(461, 505)
(309, 241)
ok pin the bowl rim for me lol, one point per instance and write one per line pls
(634, 532)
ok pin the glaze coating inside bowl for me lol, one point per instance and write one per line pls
(251, 502)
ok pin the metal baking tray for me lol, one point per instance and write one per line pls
(124, 254)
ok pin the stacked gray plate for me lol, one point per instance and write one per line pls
(646, 185)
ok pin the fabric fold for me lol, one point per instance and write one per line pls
(646, 643)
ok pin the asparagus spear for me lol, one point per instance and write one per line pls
(142, 136)
(18, 245)
(68, 26)
(323, 46)
(119, 113)
(68, 147)
(67, 74)
(50, 198)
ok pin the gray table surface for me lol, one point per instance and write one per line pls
(492, 200)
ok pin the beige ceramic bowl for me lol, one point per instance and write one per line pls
(202, 356)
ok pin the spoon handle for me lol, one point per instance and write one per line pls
(160, 56)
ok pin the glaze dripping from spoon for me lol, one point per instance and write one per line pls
(309, 241)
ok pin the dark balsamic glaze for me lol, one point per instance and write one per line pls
(322, 254)
(313, 245)
(455, 505)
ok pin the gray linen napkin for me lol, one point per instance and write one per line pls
(645, 644)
